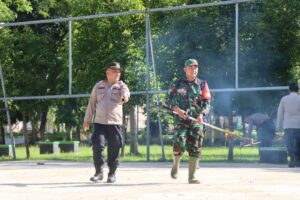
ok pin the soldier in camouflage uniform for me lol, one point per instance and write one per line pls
(188, 96)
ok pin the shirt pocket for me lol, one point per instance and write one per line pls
(116, 94)
(100, 93)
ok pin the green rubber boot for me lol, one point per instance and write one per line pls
(193, 164)
(175, 167)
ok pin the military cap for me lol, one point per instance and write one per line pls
(190, 61)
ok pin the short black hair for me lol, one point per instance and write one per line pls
(112, 64)
(293, 87)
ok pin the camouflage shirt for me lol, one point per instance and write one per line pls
(193, 97)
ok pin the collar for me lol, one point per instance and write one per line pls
(196, 81)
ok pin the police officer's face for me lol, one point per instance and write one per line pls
(113, 75)
(191, 72)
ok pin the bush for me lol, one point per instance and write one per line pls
(56, 136)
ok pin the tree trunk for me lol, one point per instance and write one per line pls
(2, 140)
(69, 132)
(43, 124)
(34, 120)
(78, 133)
(25, 133)
(33, 131)
(133, 132)
(57, 128)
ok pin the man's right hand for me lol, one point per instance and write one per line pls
(86, 126)
(181, 113)
(125, 98)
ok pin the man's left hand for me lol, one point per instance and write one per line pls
(200, 119)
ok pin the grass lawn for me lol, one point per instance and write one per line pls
(209, 154)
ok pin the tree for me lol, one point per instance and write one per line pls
(33, 53)
(268, 45)
(9, 10)
(268, 51)
(100, 41)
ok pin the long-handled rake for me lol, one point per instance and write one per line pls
(228, 134)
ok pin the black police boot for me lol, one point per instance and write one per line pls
(98, 176)
(111, 178)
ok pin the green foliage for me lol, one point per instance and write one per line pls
(56, 136)
(69, 111)
(268, 49)
(99, 41)
(204, 34)
(8, 14)
(32, 59)
(269, 41)
(35, 57)
(4, 146)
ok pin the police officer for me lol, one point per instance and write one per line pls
(105, 110)
(188, 96)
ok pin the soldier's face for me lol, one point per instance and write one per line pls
(191, 72)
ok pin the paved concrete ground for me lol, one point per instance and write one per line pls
(70, 180)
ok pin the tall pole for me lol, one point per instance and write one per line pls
(70, 57)
(236, 45)
(147, 88)
(230, 141)
(7, 114)
(157, 97)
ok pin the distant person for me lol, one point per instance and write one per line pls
(105, 111)
(265, 128)
(288, 120)
(188, 96)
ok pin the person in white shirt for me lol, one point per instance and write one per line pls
(288, 120)
(105, 111)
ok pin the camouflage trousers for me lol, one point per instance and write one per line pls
(188, 138)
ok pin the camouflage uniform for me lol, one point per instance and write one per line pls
(193, 97)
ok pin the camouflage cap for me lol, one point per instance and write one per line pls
(190, 61)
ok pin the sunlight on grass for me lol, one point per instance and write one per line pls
(209, 154)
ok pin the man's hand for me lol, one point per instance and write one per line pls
(181, 113)
(86, 126)
(124, 98)
(200, 119)
(229, 135)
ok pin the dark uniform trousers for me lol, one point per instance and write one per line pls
(112, 136)
(292, 139)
